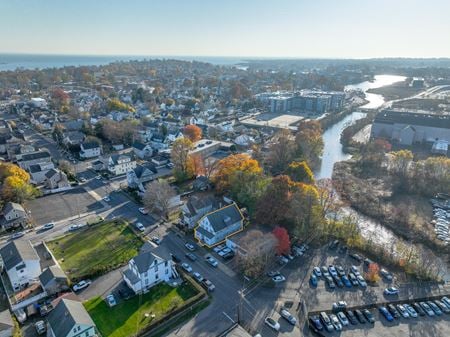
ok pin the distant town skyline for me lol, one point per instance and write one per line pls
(281, 29)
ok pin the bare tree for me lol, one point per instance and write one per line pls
(256, 249)
(158, 196)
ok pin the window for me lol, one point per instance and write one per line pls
(156, 276)
(166, 263)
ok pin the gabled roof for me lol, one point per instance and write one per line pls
(36, 155)
(90, 145)
(224, 217)
(12, 206)
(66, 315)
(52, 272)
(139, 170)
(16, 252)
(116, 157)
(140, 146)
(52, 172)
(146, 258)
(196, 203)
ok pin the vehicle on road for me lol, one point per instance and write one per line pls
(212, 261)
(156, 240)
(351, 317)
(110, 299)
(313, 280)
(75, 227)
(369, 316)
(391, 291)
(143, 210)
(17, 235)
(191, 256)
(189, 246)
(386, 314)
(81, 285)
(326, 321)
(342, 318)
(278, 278)
(288, 316)
(40, 327)
(48, 226)
(139, 226)
(208, 285)
(427, 309)
(335, 321)
(317, 272)
(339, 306)
(186, 267)
(316, 323)
(197, 277)
(272, 323)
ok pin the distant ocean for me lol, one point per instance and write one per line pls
(29, 61)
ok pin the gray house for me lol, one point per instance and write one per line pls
(196, 207)
(140, 175)
(14, 215)
(53, 280)
(142, 150)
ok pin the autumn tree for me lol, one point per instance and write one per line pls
(309, 142)
(281, 152)
(273, 205)
(229, 166)
(114, 104)
(373, 273)
(300, 172)
(60, 99)
(157, 197)
(256, 252)
(14, 182)
(283, 242)
(400, 162)
(181, 159)
(192, 132)
(8, 169)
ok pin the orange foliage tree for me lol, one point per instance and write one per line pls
(373, 273)
(192, 132)
(284, 243)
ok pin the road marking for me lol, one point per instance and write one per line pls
(232, 321)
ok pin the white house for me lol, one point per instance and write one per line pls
(90, 150)
(14, 215)
(56, 179)
(142, 150)
(120, 164)
(37, 157)
(70, 319)
(218, 225)
(195, 208)
(38, 172)
(148, 269)
(21, 263)
(140, 175)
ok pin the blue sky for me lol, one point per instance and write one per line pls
(263, 28)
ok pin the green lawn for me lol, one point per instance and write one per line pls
(94, 251)
(127, 317)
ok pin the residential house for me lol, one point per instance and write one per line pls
(140, 175)
(148, 269)
(53, 280)
(218, 225)
(142, 150)
(14, 215)
(21, 263)
(56, 179)
(160, 160)
(98, 165)
(73, 138)
(120, 163)
(38, 172)
(37, 157)
(196, 207)
(73, 125)
(159, 141)
(70, 319)
(6, 324)
(90, 150)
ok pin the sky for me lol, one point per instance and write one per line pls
(245, 28)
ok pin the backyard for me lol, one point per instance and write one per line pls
(136, 314)
(96, 250)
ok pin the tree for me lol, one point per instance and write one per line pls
(158, 196)
(372, 274)
(17, 190)
(273, 205)
(60, 99)
(181, 159)
(283, 241)
(192, 132)
(400, 162)
(300, 172)
(66, 167)
(247, 188)
(256, 252)
(304, 210)
(227, 168)
(309, 142)
(8, 169)
(114, 104)
(281, 152)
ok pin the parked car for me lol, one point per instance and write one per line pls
(272, 323)
(317, 272)
(342, 318)
(139, 226)
(356, 257)
(340, 271)
(394, 312)
(354, 269)
(332, 270)
(353, 279)
(40, 327)
(446, 300)
(48, 226)
(351, 317)
(361, 281)
(17, 235)
(346, 281)
(418, 308)
(191, 256)
(386, 275)
(197, 277)
(282, 260)
(384, 311)
(186, 267)
(444, 308)
(143, 210)
(273, 273)
(156, 240)
(224, 251)
(228, 256)
(369, 316)
(411, 311)
(278, 278)
(313, 280)
(326, 321)
(81, 285)
(339, 306)
(427, 309)
(335, 321)
(435, 308)
(208, 285)
(110, 300)
(330, 282)
(316, 323)
(338, 281)
(212, 261)
(106, 198)
(218, 248)
(360, 316)
(324, 270)
(190, 246)
(367, 262)
(402, 310)
(391, 291)
(288, 317)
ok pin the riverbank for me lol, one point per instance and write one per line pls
(397, 90)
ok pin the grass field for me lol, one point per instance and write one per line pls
(94, 251)
(128, 317)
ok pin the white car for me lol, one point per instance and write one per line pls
(278, 278)
(140, 226)
(99, 177)
(186, 267)
(198, 277)
(224, 251)
(81, 285)
(74, 227)
(48, 226)
(218, 248)
(40, 327)
(272, 323)
(111, 300)
(391, 291)
(143, 210)
(106, 198)
(288, 316)
(17, 235)
(212, 261)
(156, 240)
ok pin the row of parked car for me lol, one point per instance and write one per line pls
(338, 276)
(441, 221)
(425, 308)
(340, 319)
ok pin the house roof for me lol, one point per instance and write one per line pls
(36, 155)
(138, 145)
(17, 251)
(74, 136)
(12, 206)
(145, 259)
(90, 145)
(131, 276)
(50, 173)
(139, 170)
(196, 203)
(224, 217)
(73, 125)
(65, 315)
(204, 232)
(116, 157)
(52, 272)
(6, 321)
(413, 118)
